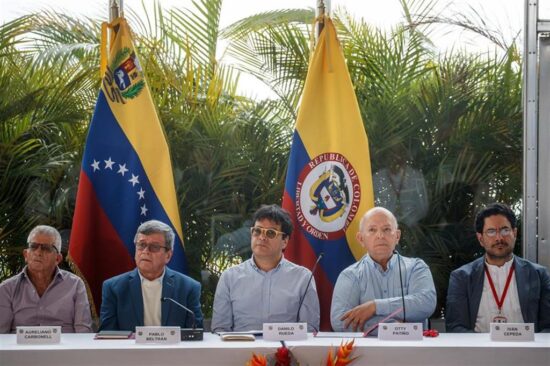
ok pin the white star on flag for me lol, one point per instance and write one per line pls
(122, 169)
(134, 180)
(141, 194)
(95, 165)
(109, 163)
(144, 210)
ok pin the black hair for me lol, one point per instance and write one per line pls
(276, 214)
(491, 210)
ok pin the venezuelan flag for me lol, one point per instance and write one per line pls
(126, 176)
(328, 184)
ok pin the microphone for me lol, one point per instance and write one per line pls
(401, 283)
(307, 286)
(188, 334)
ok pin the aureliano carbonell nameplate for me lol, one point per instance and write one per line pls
(400, 331)
(50, 334)
(158, 335)
(285, 331)
(512, 332)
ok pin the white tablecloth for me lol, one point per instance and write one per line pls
(445, 350)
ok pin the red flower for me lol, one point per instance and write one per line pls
(282, 357)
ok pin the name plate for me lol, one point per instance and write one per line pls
(158, 335)
(39, 335)
(513, 332)
(400, 332)
(285, 331)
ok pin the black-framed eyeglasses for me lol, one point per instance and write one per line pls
(505, 231)
(268, 233)
(153, 247)
(48, 248)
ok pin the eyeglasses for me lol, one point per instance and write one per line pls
(153, 247)
(48, 248)
(505, 231)
(268, 233)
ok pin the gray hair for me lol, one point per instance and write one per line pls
(155, 226)
(375, 210)
(46, 230)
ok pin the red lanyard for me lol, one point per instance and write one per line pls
(505, 291)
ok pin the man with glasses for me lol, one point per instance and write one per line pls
(266, 288)
(135, 298)
(43, 294)
(383, 285)
(498, 287)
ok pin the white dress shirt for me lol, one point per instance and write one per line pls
(488, 308)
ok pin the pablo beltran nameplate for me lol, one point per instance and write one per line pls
(158, 335)
(285, 331)
(400, 332)
(512, 332)
(39, 335)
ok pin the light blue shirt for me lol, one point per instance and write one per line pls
(366, 280)
(247, 297)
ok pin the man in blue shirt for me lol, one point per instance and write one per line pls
(370, 290)
(265, 288)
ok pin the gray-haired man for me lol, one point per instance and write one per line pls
(43, 294)
(135, 298)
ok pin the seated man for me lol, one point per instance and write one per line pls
(265, 288)
(135, 298)
(43, 294)
(370, 290)
(498, 287)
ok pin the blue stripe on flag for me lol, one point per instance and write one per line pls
(116, 193)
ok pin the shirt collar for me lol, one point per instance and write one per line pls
(256, 268)
(506, 266)
(143, 279)
(377, 266)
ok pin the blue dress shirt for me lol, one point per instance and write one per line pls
(247, 297)
(365, 280)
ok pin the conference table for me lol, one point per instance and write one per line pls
(446, 349)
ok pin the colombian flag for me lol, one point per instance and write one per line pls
(126, 176)
(328, 184)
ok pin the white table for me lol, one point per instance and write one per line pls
(445, 350)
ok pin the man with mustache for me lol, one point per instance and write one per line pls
(370, 290)
(43, 294)
(498, 287)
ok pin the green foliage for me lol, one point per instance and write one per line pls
(453, 118)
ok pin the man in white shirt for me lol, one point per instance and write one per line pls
(498, 287)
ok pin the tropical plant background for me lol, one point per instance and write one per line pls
(443, 127)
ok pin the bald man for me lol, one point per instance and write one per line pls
(370, 290)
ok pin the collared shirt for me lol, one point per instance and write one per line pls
(64, 303)
(151, 292)
(247, 297)
(488, 308)
(366, 280)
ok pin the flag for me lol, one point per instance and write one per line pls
(328, 184)
(126, 175)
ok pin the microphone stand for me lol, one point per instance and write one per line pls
(188, 334)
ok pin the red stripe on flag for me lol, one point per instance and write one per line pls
(299, 248)
(108, 256)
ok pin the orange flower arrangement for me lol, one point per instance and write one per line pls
(342, 356)
(257, 360)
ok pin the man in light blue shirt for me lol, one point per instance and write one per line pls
(368, 291)
(266, 288)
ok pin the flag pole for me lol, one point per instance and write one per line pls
(116, 8)
(323, 7)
